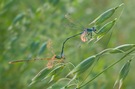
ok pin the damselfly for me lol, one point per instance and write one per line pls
(51, 61)
(86, 33)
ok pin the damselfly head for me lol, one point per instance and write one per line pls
(94, 29)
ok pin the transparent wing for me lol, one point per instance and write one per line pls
(74, 24)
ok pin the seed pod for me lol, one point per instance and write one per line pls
(104, 16)
(123, 48)
(105, 29)
(124, 71)
(84, 65)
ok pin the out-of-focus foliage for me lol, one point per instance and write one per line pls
(27, 26)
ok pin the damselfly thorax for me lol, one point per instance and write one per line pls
(87, 32)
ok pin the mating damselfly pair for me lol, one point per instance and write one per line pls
(87, 32)
(51, 61)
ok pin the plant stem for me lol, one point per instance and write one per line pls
(107, 68)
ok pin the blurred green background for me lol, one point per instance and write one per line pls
(26, 26)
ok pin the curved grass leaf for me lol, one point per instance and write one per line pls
(119, 49)
(70, 82)
(60, 83)
(40, 75)
(56, 71)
